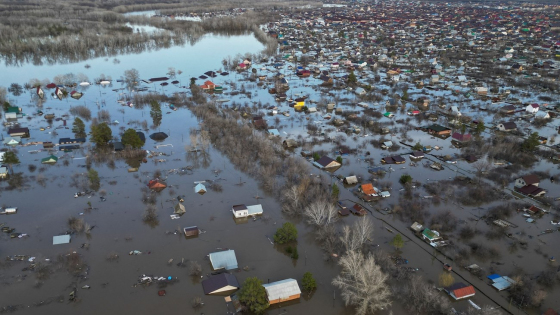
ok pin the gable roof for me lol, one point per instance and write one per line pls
(463, 292)
(282, 289)
(325, 161)
(531, 179)
(368, 189)
(225, 259)
(219, 283)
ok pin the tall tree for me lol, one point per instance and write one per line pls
(10, 158)
(253, 295)
(362, 283)
(94, 182)
(308, 282)
(321, 213)
(287, 233)
(352, 78)
(101, 134)
(155, 113)
(131, 138)
(531, 143)
(79, 128)
(131, 79)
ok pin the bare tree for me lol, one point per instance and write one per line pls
(195, 269)
(354, 237)
(131, 78)
(292, 198)
(362, 283)
(321, 213)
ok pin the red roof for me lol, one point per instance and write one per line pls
(368, 189)
(464, 292)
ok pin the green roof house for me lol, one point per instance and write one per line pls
(49, 160)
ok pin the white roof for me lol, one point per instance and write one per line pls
(282, 289)
(256, 209)
(61, 239)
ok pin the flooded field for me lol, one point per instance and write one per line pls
(104, 277)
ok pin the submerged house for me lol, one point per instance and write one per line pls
(19, 132)
(223, 260)
(282, 291)
(49, 160)
(326, 162)
(242, 211)
(529, 185)
(199, 188)
(156, 184)
(223, 282)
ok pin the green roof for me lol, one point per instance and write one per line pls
(429, 234)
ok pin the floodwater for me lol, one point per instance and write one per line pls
(44, 210)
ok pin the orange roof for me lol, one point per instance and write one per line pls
(464, 292)
(209, 83)
(368, 189)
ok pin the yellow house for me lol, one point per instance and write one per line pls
(300, 103)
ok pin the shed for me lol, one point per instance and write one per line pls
(326, 162)
(223, 282)
(282, 291)
(223, 260)
(191, 231)
(416, 227)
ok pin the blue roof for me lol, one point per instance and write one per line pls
(494, 276)
(225, 259)
(274, 132)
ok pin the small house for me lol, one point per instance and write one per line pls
(430, 235)
(360, 91)
(191, 231)
(460, 291)
(220, 283)
(417, 155)
(19, 132)
(200, 189)
(49, 160)
(416, 227)
(282, 291)
(208, 85)
(527, 180)
(350, 180)
(542, 115)
(240, 211)
(58, 93)
(40, 92)
(461, 138)
(3, 172)
(368, 190)
(454, 110)
(290, 143)
(387, 144)
(223, 260)
(395, 159)
(12, 141)
(532, 108)
(326, 162)
(438, 130)
(507, 126)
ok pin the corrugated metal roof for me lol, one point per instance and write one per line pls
(225, 259)
(281, 289)
(255, 209)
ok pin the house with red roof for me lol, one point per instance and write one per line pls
(532, 108)
(460, 291)
(208, 85)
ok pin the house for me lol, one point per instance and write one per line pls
(454, 110)
(461, 138)
(191, 231)
(290, 143)
(179, 208)
(49, 160)
(12, 140)
(3, 171)
(416, 227)
(532, 108)
(19, 132)
(368, 190)
(507, 126)
(326, 162)
(500, 283)
(58, 93)
(208, 85)
(430, 235)
(360, 91)
(350, 180)
(223, 260)
(527, 180)
(417, 155)
(542, 115)
(223, 282)
(200, 189)
(386, 144)
(240, 211)
(396, 159)
(40, 92)
(531, 190)
(508, 109)
(282, 291)
(68, 147)
(71, 141)
(460, 290)
(438, 130)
